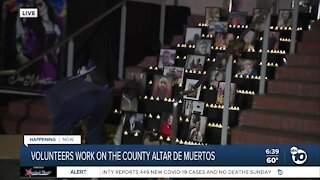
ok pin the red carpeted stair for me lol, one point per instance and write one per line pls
(28, 116)
(290, 111)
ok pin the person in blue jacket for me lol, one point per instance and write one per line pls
(75, 98)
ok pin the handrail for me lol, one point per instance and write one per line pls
(260, 19)
(61, 43)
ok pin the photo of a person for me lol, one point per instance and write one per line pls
(190, 107)
(216, 77)
(34, 36)
(237, 51)
(284, 18)
(212, 14)
(136, 80)
(195, 62)
(203, 47)
(197, 127)
(166, 125)
(220, 93)
(192, 35)
(221, 62)
(129, 100)
(187, 107)
(256, 13)
(237, 18)
(167, 57)
(176, 73)
(219, 40)
(249, 40)
(246, 67)
(162, 87)
(274, 38)
(259, 19)
(216, 27)
(197, 107)
(228, 38)
(189, 85)
(223, 39)
(134, 123)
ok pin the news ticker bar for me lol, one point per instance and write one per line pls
(187, 172)
(169, 155)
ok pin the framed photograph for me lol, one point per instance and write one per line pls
(189, 85)
(187, 107)
(221, 62)
(203, 47)
(195, 62)
(167, 57)
(260, 24)
(285, 18)
(151, 138)
(249, 40)
(237, 51)
(197, 127)
(212, 14)
(256, 13)
(237, 18)
(220, 93)
(192, 35)
(176, 73)
(166, 125)
(215, 77)
(162, 87)
(274, 38)
(197, 107)
(190, 107)
(134, 123)
(223, 39)
(129, 100)
(137, 80)
(246, 67)
(217, 26)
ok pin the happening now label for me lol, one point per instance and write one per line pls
(51, 139)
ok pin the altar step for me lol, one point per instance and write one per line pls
(290, 111)
(255, 135)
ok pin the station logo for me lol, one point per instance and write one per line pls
(298, 156)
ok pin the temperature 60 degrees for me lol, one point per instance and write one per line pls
(272, 160)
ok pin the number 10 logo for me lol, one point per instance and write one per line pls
(298, 156)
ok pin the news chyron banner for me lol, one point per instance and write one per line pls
(65, 157)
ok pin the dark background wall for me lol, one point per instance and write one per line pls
(100, 43)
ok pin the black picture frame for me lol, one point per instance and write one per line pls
(136, 80)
